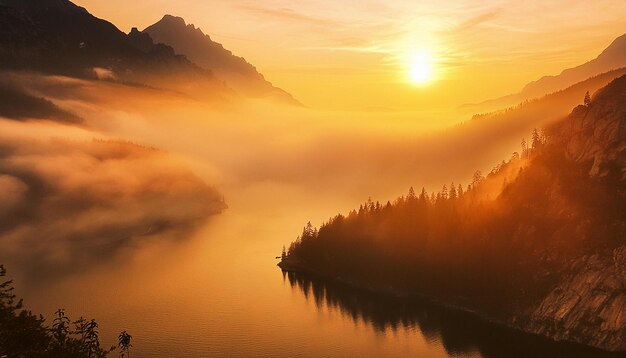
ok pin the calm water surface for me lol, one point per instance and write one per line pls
(220, 294)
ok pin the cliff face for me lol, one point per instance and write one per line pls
(588, 305)
(597, 134)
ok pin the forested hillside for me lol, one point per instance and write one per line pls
(510, 244)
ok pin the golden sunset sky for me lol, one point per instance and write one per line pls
(361, 54)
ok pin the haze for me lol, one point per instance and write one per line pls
(356, 54)
(149, 177)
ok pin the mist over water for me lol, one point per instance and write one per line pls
(216, 290)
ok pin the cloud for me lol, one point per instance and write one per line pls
(477, 20)
(287, 14)
(67, 204)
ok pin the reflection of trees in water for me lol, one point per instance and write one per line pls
(458, 332)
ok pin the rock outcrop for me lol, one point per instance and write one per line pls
(596, 134)
(588, 305)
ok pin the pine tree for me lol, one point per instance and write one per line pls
(453, 194)
(587, 99)
(423, 195)
(411, 195)
(536, 144)
(477, 179)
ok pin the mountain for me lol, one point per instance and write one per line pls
(191, 42)
(508, 125)
(613, 57)
(18, 105)
(59, 37)
(538, 244)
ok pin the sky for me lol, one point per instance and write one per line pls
(361, 54)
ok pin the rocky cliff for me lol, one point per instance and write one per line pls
(588, 304)
(596, 134)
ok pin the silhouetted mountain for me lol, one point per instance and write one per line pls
(18, 105)
(191, 42)
(506, 126)
(538, 244)
(613, 57)
(58, 37)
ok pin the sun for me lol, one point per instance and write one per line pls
(421, 67)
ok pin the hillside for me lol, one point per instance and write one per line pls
(509, 124)
(538, 244)
(612, 58)
(191, 42)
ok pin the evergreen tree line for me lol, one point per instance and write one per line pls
(502, 237)
(24, 334)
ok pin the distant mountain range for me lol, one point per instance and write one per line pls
(59, 37)
(613, 57)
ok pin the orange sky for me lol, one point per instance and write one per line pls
(353, 54)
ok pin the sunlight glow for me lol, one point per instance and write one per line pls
(421, 67)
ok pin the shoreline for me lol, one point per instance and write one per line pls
(302, 269)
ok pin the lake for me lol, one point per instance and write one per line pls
(219, 292)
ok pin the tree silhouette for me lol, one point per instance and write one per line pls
(124, 343)
(537, 141)
(453, 193)
(60, 331)
(587, 100)
(477, 178)
(23, 334)
(411, 195)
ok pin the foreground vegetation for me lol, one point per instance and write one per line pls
(24, 334)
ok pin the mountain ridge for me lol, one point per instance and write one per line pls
(611, 58)
(60, 37)
(192, 42)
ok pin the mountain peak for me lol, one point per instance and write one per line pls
(172, 21)
(616, 48)
(192, 42)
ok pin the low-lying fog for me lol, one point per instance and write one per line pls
(104, 215)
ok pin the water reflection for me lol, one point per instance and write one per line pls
(460, 333)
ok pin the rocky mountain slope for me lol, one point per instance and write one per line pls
(612, 58)
(191, 42)
(60, 37)
(589, 303)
